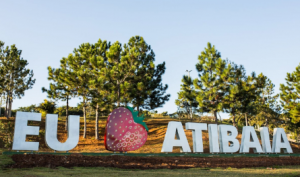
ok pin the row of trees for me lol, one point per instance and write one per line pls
(290, 101)
(105, 75)
(15, 78)
(50, 107)
(223, 86)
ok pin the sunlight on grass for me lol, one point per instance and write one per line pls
(101, 171)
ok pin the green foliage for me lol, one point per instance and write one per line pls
(2, 112)
(98, 85)
(164, 113)
(15, 79)
(187, 98)
(268, 110)
(213, 81)
(243, 95)
(158, 96)
(223, 86)
(42, 134)
(289, 98)
(146, 90)
(119, 68)
(6, 132)
(31, 108)
(76, 73)
(253, 101)
(59, 90)
(290, 95)
(146, 113)
(46, 107)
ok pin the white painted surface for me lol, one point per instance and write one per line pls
(22, 129)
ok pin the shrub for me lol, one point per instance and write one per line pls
(6, 134)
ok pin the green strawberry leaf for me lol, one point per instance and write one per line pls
(137, 119)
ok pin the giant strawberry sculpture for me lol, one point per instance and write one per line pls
(125, 131)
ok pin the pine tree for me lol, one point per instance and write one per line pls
(267, 106)
(158, 96)
(59, 90)
(233, 100)
(2, 77)
(146, 90)
(212, 83)
(242, 93)
(119, 68)
(187, 97)
(250, 94)
(290, 95)
(77, 75)
(16, 79)
(99, 85)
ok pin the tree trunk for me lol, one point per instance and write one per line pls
(191, 111)
(267, 123)
(10, 96)
(9, 107)
(233, 120)
(6, 107)
(138, 109)
(118, 102)
(246, 118)
(67, 114)
(84, 119)
(216, 118)
(90, 109)
(0, 105)
(97, 122)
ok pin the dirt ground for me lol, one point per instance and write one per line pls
(129, 162)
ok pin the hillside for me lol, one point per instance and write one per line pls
(157, 129)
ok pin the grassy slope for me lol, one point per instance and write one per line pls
(157, 130)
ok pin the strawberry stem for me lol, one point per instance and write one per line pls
(137, 119)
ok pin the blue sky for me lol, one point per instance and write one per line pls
(261, 35)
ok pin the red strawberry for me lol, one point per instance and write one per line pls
(124, 130)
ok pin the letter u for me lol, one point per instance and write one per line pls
(51, 133)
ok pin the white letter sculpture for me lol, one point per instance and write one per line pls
(250, 140)
(21, 130)
(197, 134)
(175, 129)
(280, 141)
(224, 139)
(213, 138)
(265, 139)
(51, 133)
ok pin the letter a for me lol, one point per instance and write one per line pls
(175, 129)
(280, 141)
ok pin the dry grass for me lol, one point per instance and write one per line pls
(157, 130)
